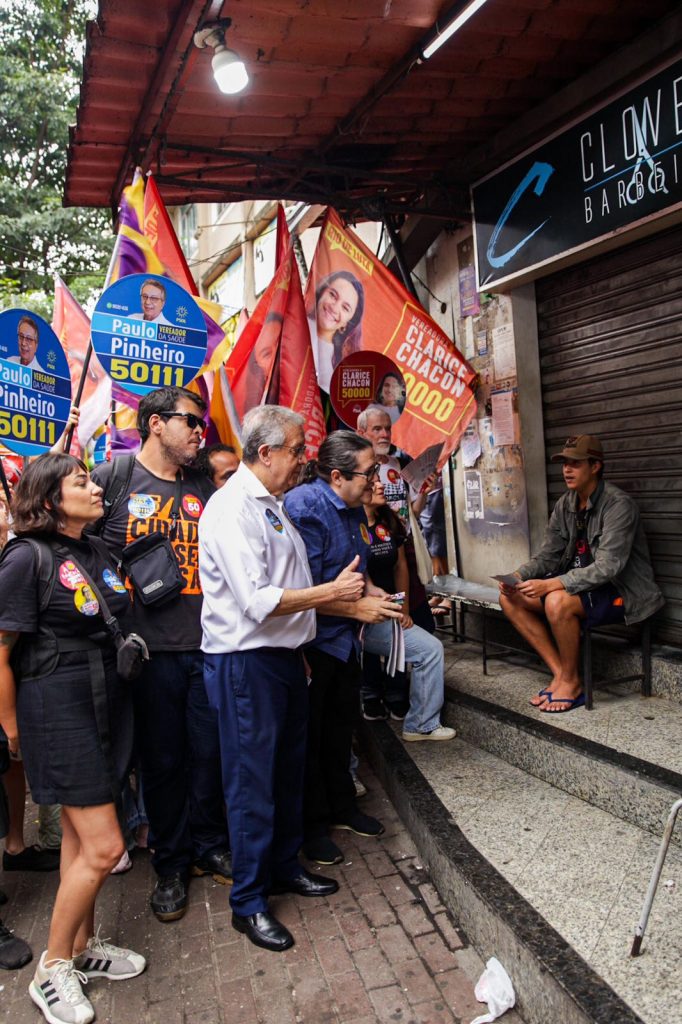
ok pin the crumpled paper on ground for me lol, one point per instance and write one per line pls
(494, 987)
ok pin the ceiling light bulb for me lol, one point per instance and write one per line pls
(229, 71)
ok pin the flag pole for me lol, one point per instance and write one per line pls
(68, 437)
(5, 484)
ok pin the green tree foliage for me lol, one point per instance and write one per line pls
(41, 46)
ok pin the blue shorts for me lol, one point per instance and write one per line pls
(603, 606)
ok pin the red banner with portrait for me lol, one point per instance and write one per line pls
(353, 302)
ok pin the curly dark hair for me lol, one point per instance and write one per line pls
(37, 501)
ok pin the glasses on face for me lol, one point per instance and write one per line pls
(298, 452)
(152, 298)
(369, 474)
(192, 421)
(27, 337)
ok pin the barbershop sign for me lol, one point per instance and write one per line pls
(604, 175)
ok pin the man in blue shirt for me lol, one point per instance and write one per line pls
(329, 516)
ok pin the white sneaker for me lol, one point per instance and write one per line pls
(442, 732)
(101, 959)
(56, 990)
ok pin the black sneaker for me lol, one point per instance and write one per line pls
(321, 850)
(14, 952)
(398, 709)
(361, 824)
(374, 710)
(31, 858)
(169, 899)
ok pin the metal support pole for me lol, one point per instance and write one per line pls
(396, 243)
(655, 878)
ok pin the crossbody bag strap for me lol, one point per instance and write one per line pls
(110, 620)
(175, 510)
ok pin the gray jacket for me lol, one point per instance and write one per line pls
(618, 545)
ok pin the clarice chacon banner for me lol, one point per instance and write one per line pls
(604, 175)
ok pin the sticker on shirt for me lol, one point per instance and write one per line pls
(364, 533)
(112, 581)
(381, 532)
(70, 576)
(274, 520)
(85, 601)
(142, 506)
(192, 506)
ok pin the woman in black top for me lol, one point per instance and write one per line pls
(52, 627)
(387, 568)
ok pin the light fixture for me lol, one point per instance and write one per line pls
(452, 26)
(228, 69)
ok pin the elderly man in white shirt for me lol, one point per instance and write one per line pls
(258, 612)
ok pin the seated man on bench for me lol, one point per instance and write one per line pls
(593, 567)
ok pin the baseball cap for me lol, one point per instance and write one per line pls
(581, 447)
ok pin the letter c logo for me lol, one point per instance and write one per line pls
(539, 173)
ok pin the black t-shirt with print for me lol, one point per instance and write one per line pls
(73, 610)
(383, 557)
(174, 625)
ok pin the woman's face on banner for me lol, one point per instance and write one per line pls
(335, 307)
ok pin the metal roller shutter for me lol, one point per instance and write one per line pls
(610, 335)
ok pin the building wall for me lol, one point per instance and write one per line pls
(490, 493)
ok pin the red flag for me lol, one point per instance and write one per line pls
(72, 327)
(161, 234)
(279, 324)
(370, 309)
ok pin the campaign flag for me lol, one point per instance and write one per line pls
(298, 389)
(161, 234)
(72, 326)
(353, 303)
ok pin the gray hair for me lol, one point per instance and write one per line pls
(369, 411)
(266, 424)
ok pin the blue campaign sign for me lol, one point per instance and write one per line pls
(35, 383)
(149, 333)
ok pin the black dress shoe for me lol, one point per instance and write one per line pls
(264, 930)
(169, 899)
(306, 884)
(14, 952)
(218, 864)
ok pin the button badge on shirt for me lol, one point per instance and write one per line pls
(364, 533)
(274, 520)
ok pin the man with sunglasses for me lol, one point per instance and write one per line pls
(152, 300)
(329, 515)
(178, 741)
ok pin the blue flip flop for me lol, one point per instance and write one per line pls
(575, 702)
(542, 693)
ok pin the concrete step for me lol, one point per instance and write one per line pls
(625, 756)
(541, 838)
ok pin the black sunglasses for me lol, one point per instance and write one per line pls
(192, 421)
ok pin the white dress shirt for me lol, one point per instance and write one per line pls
(249, 553)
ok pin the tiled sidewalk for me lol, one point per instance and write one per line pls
(382, 949)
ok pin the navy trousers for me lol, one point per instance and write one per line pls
(179, 752)
(261, 697)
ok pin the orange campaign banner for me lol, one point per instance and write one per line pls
(354, 303)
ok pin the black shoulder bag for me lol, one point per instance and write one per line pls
(150, 563)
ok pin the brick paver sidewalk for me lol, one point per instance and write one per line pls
(381, 949)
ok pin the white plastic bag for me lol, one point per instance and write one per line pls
(494, 987)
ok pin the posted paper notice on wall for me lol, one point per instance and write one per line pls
(503, 417)
(503, 351)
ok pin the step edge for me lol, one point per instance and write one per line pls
(590, 996)
(628, 763)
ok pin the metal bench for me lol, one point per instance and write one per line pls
(477, 595)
